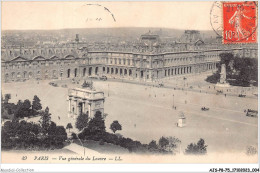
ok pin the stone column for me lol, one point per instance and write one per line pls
(69, 107)
(83, 107)
(89, 110)
(76, 108)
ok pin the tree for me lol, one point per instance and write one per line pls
(36, 104)
(60, 135)
(26, 108)
(173, 143)
(18, 111)
(82, 121)
(169, 143)
(251, 150)
(23, 109)
(199, 149)
(226, 58)
(115, 126)
(240, 71)
(2, 99)
(11, 128)
(153, 144)
(7, 98)
(69, 126)
(45, 121)
(56, 136)
(27, 104)
(163, 142)
(20, 134)
(97, 124)
(28, 135)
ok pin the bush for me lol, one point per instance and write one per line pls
(251, 151)
(163, 142)
(101, 142)
(214, 78)
(74, 136)
(198, 149)
(115, 126)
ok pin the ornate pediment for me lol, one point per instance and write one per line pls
(38, 58)
(54, 58)
(69, 57)
(19, 58)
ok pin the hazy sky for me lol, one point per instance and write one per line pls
(58, 15)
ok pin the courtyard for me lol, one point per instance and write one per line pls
(146, 112)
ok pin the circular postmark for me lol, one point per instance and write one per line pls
(234, 22)
(97, 7)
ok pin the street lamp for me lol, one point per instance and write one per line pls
(173, 101)
(81, 143)
(108, 90)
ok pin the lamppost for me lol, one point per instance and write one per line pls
(81, 142)
(107, 90)
(173, 101)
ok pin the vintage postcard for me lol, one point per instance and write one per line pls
(129, 82)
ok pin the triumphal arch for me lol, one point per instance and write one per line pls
(85, 100)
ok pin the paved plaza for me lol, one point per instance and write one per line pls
(146, 112)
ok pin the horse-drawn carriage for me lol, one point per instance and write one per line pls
(251, 113)
(204, 109)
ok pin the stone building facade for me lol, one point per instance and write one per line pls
(75, 60)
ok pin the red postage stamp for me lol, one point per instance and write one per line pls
(239, 22)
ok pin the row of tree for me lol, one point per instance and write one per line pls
(83, 121)
(22, 109)
(172, 144)
(94, 129)
(46, 134)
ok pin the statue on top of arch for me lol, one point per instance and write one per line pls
(88, 84)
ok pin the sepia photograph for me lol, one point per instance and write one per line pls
(129, 82)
